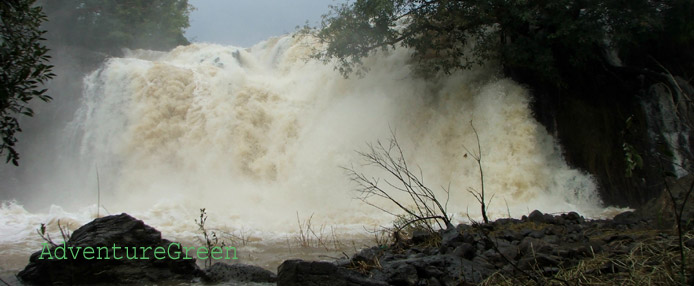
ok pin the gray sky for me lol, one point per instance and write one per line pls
(247, 22)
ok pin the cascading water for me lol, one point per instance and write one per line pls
(258, 135)
(667, 122)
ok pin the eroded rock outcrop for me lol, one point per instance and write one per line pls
(110, 250)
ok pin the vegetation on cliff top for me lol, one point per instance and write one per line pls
(545, 40)
(108, 26)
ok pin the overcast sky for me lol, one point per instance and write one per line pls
(247, 22)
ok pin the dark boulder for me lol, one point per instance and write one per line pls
(222, 272)
(465, 250)
(451, 237)
(318, 273)
(573, 217)
(447, 269)
(661, 210)
(538, 217)
(535, 215)
(71, 262)
(627, 218)
(398, 273)
(367, 255)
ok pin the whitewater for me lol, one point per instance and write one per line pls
(260, 137)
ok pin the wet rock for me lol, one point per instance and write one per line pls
(536, 216)
(510, 235)
(539, 217)
(101, 235)
(531, 245)
(573, 217)
(451, 238)
(465, 250)
(318, 273)
(555, 230)
(524, 232)
(367, 255)
(536, 234)
(399, 273)
(574, 228)
(576, 237)
(471, 272)
(299, 272)
(660, 209)
(508, 251)
(446, 268)
(352, 278)
(628, 218)
(222, 272)
(483, 264)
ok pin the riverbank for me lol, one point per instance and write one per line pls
(537, 249)
(633, 248)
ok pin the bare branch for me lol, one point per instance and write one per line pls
(422, 204)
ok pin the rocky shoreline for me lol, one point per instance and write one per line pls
(632, 248)
(537, 249)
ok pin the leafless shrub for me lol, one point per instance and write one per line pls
(422, 206)
(309, 237)
(479, 194)
(45, 235)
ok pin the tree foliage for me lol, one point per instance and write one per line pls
(24, 67)
(108, 26)
(548, 40)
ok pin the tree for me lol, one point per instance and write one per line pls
(24, 67)
(107, 26)
(547, 41)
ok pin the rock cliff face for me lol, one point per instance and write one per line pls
(599, 123)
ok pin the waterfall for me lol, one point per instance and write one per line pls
(258, 136)
(262, 133)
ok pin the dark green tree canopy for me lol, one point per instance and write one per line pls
(544, 38)
(108, 26)
(24, 67)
